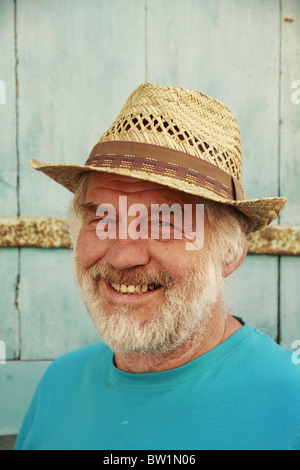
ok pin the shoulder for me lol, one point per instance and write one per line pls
(78, 363)
(268, 349)
(67, 380)
(273, 362)
(277, 382)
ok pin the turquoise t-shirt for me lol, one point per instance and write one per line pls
(243, 394)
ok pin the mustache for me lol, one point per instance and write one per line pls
(132, 276)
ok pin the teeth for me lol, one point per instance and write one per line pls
(131, 289)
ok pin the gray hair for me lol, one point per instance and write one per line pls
(73, 218)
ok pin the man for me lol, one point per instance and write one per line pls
(175, 371)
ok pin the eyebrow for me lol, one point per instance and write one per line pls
(87, 208)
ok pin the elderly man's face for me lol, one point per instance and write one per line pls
(170, 288)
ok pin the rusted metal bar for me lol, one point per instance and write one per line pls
(43, 232)
(275, 240)
(50, 232)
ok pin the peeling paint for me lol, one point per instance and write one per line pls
(47, 232)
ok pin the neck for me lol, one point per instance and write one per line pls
(219, 328)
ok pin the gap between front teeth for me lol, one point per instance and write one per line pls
(131, 289)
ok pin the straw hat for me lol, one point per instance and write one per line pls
(179, 138)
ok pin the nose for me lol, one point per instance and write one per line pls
(128, 253)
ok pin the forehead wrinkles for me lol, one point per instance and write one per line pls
(123, 183)
(99, 186)
(152, 201)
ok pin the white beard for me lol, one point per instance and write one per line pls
(184, 314)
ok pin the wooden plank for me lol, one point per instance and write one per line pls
(8, 160)
(249, 295)
(290, 166)
(9, 317)
(230, 50)
(78, 62)
(53, 319)
(290, 301)
(8, 179)
(18, 381)
(290, 112)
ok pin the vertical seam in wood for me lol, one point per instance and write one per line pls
(17, 307)
(278, 302)
(279, 101)
(279, 176)
(146, 39)
(17, 106)
(17, 285)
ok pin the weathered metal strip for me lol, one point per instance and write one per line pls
(47, 232)
(43, 232)
(275, 240)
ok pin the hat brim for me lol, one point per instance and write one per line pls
(259, 212)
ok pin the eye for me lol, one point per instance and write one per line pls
(93, 221)
(163, 223)
(104, 220)
(107, 220)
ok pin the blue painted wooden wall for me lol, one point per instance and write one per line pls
(68, 67)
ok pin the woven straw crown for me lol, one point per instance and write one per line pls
(179, 138)
(183, 120)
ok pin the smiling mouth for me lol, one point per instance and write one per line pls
(134, 289)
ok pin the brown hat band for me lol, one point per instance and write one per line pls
(167, 162)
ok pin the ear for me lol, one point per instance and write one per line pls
(231, 267)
